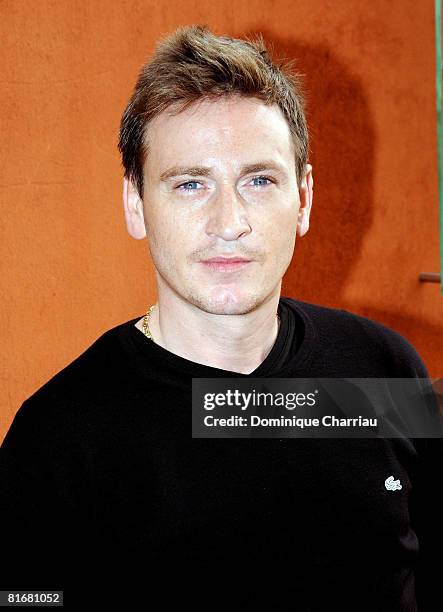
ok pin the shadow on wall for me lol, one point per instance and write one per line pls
(342, 146)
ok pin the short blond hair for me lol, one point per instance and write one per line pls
(192, 63)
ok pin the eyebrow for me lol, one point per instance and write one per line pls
(260, 166)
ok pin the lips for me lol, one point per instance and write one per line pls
(226, 260)
(226, 264)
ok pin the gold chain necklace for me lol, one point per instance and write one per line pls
(147, 316)
(146, 329)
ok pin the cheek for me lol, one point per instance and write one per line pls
(280, 230)
(174, 244)
(164, 230)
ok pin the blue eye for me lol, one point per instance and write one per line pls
(261, 179)
(185, 186)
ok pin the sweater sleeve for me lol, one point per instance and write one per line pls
(40, 508)
(426, 502)
(426, 513)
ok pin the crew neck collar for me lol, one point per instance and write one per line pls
(162, 360)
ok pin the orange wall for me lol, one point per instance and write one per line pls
(70, 271)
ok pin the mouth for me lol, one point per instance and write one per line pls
(224, 264)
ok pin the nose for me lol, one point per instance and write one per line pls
(228, 216)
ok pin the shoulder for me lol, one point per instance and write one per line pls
(96, 362)
(52, 411)
(362, 337)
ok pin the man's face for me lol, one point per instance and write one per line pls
(220, 181)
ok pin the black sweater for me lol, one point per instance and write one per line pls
(104, 485)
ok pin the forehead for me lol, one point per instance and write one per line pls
(217, 128)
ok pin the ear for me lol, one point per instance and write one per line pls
(305, 192)
(133, 206)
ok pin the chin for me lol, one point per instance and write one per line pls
(226, 303)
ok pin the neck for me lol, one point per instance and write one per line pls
(236, 342)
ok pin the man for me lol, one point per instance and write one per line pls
(214, 145)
